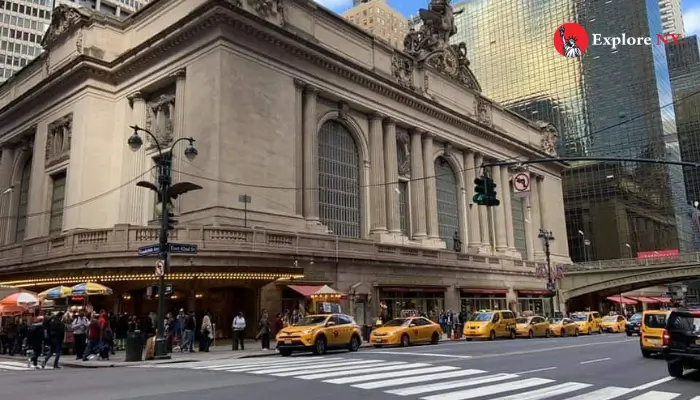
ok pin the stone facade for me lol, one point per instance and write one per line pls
(258, 101)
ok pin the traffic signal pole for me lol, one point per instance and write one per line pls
(164, 180)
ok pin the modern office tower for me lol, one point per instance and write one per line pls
(22, 25)
(118, 8)
(684, 69)
(671, 16)
(377, 17)
(607, 103)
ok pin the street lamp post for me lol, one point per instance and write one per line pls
(165, 193)
(547, 237)
(584, 242)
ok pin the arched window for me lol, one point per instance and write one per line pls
(338, 180)
(23, 200)
(448, 211)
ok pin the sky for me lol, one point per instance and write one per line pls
(691, 10)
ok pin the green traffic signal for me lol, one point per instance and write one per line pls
(485, 192)
(480, 191)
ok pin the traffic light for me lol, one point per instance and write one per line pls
(485, 192)
(170, 221)
(479, 191)
(491, 194)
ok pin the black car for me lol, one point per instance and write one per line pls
(632, 325)
(682, 341)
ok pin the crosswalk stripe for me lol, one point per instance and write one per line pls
(545, 393)
(418, 379)
(312, 369)
(395, 374)
(244, 367)
(654, 395)
(242, 362)
(696, 398)
(289, 368)
(8, 367)
(607, 393)
(325, 375)
(489, 390)
(434, 387)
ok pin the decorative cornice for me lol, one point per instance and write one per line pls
(389, 121)
(299, 83)
(179, 74)
(376, 116)
(310, 90)
(416, 131)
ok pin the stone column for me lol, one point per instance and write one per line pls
(508, 207)
(137, 210)
(484, 221)
(499, 214)
(179, 129)
(310, 123)
(417, 187)
(473, 224)
(529, 229)
(535, 216)
(391, 176)
(377, 172)
(430, 187)
(299, 144)
(7, 156)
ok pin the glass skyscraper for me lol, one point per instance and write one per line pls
(607, 103)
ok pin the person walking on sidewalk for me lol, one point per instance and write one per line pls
(238, 327)
(190, 328)
(207, 333)
(55, 336)
(35, 340)
(264, 331)
(80, 326)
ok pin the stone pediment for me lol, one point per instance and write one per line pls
(64, 21)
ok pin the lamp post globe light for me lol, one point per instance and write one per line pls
(547, 237)
(165, 193)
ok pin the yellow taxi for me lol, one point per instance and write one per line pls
(531, 327)
(319, 333)
(490, 325)
(613, 323)
(651, 331)
(563, 327)
(406, 331)
(588, 322)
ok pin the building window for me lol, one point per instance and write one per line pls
(519, 214)
(339, 180)
(58, 196)
(23, 200)
(448, 211)
(404, 213)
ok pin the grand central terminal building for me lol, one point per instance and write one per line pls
(326, 157)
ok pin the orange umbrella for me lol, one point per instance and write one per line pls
(20, 299)
(11, 310)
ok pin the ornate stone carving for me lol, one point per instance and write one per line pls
(267, 8)
(402, 70)
(431, 44)
(343, 110)
(160, 113)
(483, 111)
(79, 43)
(403, 150)
(63, 20)
(550, 136)
(58, 140)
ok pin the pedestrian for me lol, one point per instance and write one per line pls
(238, 327)
(120, 330)
(35, 340)
(264, 331)
(55, 335)
(94, 338)
(80, 327)
(190, 329)
(207, 333)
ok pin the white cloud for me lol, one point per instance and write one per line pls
(336, 5)
(691, 20)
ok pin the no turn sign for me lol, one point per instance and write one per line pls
(160, 268)
(521, 182)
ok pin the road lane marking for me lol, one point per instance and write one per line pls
(290, 368)
(545, 393)
(344, 367)
(433, 387)
(395, 374)
(418, 354)
(654, 395)
(233, 364)
(595, 361)
(489, 390)
(516, 353)
(654, 383)
(532, 371)
(253, 367)
(607, 393)
(363, 372)
(418, 379)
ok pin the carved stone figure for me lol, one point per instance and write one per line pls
(159, 119)
(550, 136)
(266, 8)
(402, 69)
(343, 110)
(62, 19)
(403, 154)
(58, 140)
(483, 111)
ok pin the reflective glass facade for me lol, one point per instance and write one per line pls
(595, 101)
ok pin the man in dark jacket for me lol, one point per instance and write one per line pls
(55, 334)
(35, 340)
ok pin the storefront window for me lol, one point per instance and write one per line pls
(400, 302)
(539, 305)
(475, 302)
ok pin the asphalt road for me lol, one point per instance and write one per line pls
(607, 367)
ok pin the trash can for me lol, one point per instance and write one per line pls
(366, 331)
(134, 346)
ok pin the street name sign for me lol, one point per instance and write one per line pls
(183, 248)
(149, 250)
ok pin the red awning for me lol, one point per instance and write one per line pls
(664, 300)
(485, 291)
(533, 292)
(648, 300)
(622, 300)
(415, 289)
(305, 291)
